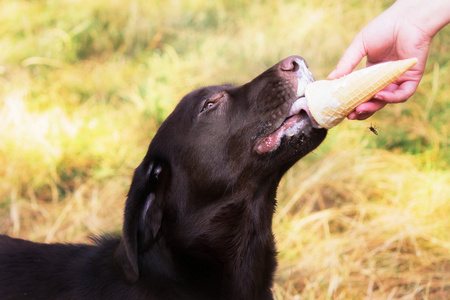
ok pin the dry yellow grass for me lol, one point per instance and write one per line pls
(357, 226)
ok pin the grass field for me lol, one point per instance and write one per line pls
(84, 86)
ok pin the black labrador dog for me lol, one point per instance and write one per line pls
(198, 217)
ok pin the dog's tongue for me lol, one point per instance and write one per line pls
(273, 141)
(299, 105)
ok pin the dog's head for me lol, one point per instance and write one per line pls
(217, 138)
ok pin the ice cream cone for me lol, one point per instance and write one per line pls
(330, 101)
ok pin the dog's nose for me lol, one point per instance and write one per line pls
(292, 64)
(295, 68)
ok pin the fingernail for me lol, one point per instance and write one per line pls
(351, 116)
(378, 97)
(331, 74)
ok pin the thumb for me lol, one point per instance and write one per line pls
(351, 58)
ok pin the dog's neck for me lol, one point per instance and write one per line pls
(237, 244)
(252, 261)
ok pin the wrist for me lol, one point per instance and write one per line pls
(428, 15)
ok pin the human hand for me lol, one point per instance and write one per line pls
(398, 33)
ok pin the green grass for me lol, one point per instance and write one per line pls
(84, 86)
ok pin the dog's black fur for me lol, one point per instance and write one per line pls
(198, 217)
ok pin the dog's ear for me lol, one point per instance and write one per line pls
(142, 217)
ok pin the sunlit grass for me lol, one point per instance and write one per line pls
(364, 224)
(85, 84)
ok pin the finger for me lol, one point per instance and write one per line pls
(397, 93)
(367, 109)
(350, 59)
(355, 116)
(352, 116)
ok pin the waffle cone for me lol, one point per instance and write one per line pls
(330, 101)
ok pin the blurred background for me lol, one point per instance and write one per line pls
(84, 85)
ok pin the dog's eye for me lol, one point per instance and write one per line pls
(212, 101)
(207, 105)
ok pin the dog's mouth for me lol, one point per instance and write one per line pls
(298, 122)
